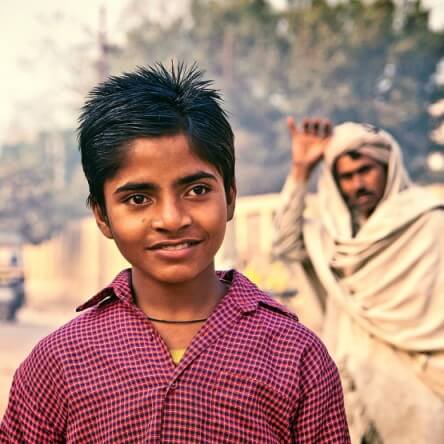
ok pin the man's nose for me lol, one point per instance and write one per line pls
(170, 215)
(357, 181)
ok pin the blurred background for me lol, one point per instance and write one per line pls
(380, 62)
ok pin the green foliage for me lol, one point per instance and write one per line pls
(41, 186)
(350, 60)
(345, 61)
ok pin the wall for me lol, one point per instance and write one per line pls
(79, 261)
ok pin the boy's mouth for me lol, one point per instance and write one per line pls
(173, 245)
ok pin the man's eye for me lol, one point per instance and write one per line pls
(199, 190)
(138, 199)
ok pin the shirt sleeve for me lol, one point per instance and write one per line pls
(320, 417)
(287, 242)
(36, 409)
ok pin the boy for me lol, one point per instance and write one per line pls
(172, 351)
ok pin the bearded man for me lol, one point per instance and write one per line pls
(372, 246)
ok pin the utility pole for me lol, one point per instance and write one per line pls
(102, 74)
(104, 48)
(401, 12)
(228, 58)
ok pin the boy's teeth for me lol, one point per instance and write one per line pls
(176, 247)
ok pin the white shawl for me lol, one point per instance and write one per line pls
(396, 289)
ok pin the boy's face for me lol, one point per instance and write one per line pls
(167, 210)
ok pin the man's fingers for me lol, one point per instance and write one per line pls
(312, 126)
(327, 128)
(315, 127)
(306, 125)
(291, 124)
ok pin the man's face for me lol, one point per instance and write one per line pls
(167, 210)
(361, 181)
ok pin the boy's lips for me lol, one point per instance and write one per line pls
(174, 250)
(173, 245)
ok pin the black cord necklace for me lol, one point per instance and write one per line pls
(192, 321)
(165, 321)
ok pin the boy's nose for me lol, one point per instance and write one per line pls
(170, 216)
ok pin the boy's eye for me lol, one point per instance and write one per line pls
(199, 190)
(138, 199)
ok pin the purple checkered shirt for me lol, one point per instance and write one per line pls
(253, 374)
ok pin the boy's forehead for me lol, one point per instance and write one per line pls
(173, 153)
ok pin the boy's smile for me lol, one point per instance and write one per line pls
(167, 210)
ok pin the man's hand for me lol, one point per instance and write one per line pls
(307, 145)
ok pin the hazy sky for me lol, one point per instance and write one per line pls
(28, 70)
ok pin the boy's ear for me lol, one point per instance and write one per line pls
(102, 221)
(231, 201)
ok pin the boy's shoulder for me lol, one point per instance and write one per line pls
(270, 313)
(250, 297)
(274, 331)
(94, 324)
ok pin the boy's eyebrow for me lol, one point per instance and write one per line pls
(149, 186)
(136, 186)
(195, 177)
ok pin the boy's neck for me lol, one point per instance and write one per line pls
(190, 300)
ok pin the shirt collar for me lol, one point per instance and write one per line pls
(242, 292)
(249, 297)
(120, 287)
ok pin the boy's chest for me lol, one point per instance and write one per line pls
(222, 389)
(177, 336)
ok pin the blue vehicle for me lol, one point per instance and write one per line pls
(12, 276)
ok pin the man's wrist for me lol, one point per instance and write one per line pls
(300, 172)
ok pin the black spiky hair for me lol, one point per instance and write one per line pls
(152, 101)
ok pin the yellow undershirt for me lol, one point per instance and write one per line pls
(177, 354)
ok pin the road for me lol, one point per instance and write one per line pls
(18, 339)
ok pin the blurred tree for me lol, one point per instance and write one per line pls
(348, 61)
(26, 202)
(40, 188)
(237, 43)
(354, 64)
(435, 160)
(41, 182)
(353, 60)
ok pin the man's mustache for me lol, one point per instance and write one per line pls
(362, 192)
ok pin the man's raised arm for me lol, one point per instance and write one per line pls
(307, 147)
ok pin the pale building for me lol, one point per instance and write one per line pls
(71, 267)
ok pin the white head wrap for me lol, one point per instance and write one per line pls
(371, 141)
(363, 138)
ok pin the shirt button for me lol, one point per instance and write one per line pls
(173, 386)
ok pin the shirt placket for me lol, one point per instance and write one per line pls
(165, 377)
(223, 319)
